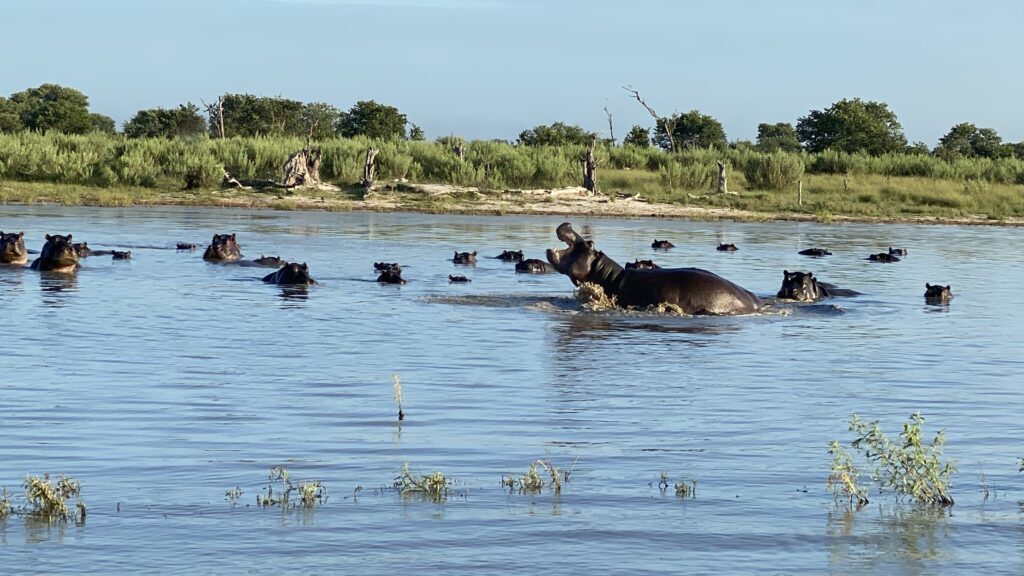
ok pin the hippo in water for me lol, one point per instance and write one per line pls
(883, 257)
(815, 252)
(223, 248)
(510, 256)
(638, 264)
(726, 247)
(937, 294)
(118, 255)
(12, 248)
(897, 251)
(464, 257)
(382, 266)
(534, 266)
(457, 278)
(291, 274)
(694, 290)
(662, 244)
(803, 286)
(57, 255)
(186, 246)
(274, 261)
(391, 275)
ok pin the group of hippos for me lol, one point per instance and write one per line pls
(641, 283)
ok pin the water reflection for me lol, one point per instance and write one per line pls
(294, 294)
(897, 540)
(56, 287)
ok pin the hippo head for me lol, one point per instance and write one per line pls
(59, 252)
(464, 257)
(82, 249)
(391, 275)
(577, 261)
(511, 255)
(935, 293)
(223, 247)
(385, 266)
(639, 264)
(727, 247)
(118, 255)
(12, 248)
(799, 286)
(292, 274)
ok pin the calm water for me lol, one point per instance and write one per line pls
(164, 381)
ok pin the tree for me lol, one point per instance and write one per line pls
(638, 136)
(690, 130)
(919, 149)
(180, 122)
(368, 118)
(416, 133)
(319, 119)
(52, 107)
(967, 140)
(779, 136)
(557, 134)
(10, 116)
(852, 126)
(102, 123)
(249, 115)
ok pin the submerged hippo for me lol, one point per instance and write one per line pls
(694, 290)
(639, 264)
(457, 278)
(382, 266)
(883, 257)
(804, 287)
(57, 255)
(815, 252)
(274, 261)
(12, 248)
(118, 255)
(223, 248)
(510, 256)
(534, 266)
(186, 246)
(937, 294)
(662, 244)
(291, 274)
(897, 251)
(464, 257)
(391, 275)
(726, 247)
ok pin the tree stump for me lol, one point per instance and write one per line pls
(302, 168)
(460, 151)
(368, 166)
(590, 168)
(723, 184)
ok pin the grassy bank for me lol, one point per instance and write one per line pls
(116, 171)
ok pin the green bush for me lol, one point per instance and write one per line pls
(775, 171)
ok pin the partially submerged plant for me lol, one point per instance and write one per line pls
(5, 504)
(842, 480)
(233, 495)
(530, 482)
(47, 500)
(310, 493)
(909, 468)
(396, 393)
(435, 487)
(685, 488)
(593, 297)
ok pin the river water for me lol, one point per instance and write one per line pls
(164, 381)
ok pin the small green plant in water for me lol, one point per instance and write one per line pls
(842, 481)
(909, 468)
(310, 493)
(48, 501)
(435, 487)
(5, 504)
(684, 488)
(233, 495)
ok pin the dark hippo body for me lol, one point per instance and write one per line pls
(223, 248)
(534, 266)
(274, 261)
(84, 251)
(186, 246)
(457, 278)
(118, 255)
(803, 286)
(57, 255)
(391, 275)
(897, 251)
(937, 294)
(510, 256)
(726, 248)
(12, 248)
(694, 290)
(464, 257)
(638, 264)
(815, 252)
(291, 274)
(662, 244)
(883, 257)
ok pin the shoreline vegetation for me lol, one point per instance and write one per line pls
(454, 176)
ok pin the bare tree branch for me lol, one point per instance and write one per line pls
(665, 123)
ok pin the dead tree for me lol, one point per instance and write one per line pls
(216, 114)
(590, 167)
(723, 184)
(667, 125)
(368, 166)
(460, 151)
(611, 129)
(303, 168)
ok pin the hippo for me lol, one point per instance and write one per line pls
(639, 264)
(391, 275)
(464, 257)
(186, 246)
(726, 247)
(274, 261)
(84, 251)
(937, 294)
(897, 251)
(534, 266)
(883, 257)
(383, 266)
(804, 287)
(223, 248)
(693, 290)
(118, 255)
(291, 274)
(57, 255)
(510, 256)
(12, 248)
(662, 244)
(457, 278)
(815, 252)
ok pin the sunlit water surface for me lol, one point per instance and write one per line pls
(162, 382)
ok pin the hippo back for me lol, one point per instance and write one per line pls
(694, 290)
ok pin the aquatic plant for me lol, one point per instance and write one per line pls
(909, 468)
(396, 393)
(48, 501)
(533, 482)
(5, 504)
(233, 494)
(310, 493)
(843, 479)
(435, 487)
(684, 488)
(593, 297)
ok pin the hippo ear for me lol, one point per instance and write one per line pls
(473, 253)
(232, 237)
(69, 237)
(590, 244)
(948, 288)
(304, 267)
(810, 275)
(927, 286)
(48, 237)
(21, 234)
(785, 273)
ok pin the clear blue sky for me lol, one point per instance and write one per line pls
(491, 68)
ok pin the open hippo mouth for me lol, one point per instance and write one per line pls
(563, 259)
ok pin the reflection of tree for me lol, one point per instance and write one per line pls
(898, 540)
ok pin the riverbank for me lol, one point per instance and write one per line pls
(450, 199)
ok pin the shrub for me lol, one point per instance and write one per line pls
(776, 171)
